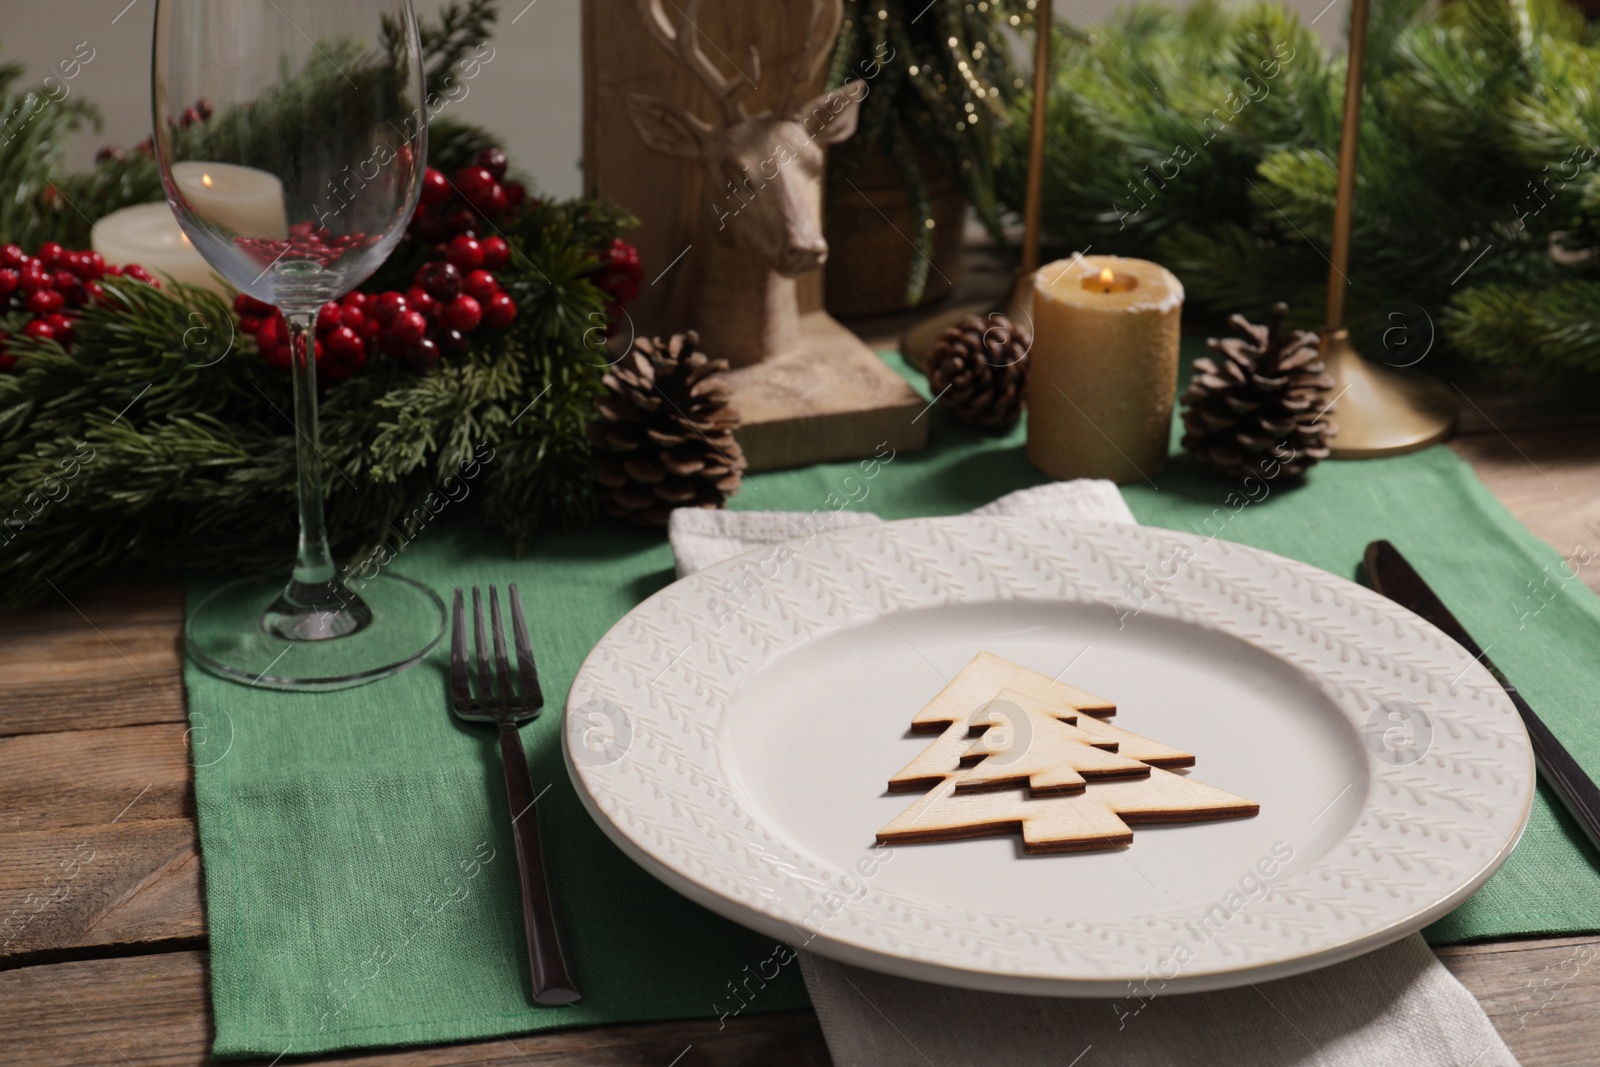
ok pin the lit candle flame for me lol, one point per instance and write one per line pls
(205, 180)
(1107, 279)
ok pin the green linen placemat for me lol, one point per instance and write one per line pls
(360, 881)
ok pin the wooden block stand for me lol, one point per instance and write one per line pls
(833, 399)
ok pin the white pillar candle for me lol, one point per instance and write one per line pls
(247, 201)
(1104, 367)
(148, 235)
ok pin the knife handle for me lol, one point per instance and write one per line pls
(1562, 773)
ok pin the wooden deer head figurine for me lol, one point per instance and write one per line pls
(764, 175)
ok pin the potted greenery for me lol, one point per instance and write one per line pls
(940, 88)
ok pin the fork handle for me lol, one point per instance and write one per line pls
(547, 957)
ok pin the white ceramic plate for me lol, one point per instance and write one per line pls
(734, 734)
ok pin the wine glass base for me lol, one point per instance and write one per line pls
(228, 635)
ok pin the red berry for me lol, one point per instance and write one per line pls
(480, 285)
(10, 278)
(94, 266)
(50, 254)
(494, 202)
(139, 274)
(94, 291)
(38, 329)
(271, 332)
(352, 317)
(249, 324)
(464, 253)
(66, 279)
(328, 318)
(114, 271)
(35, 278)
(409, 327)
(356, 299)
(492, 160)
(435, 187)
(45, 301)
(61, 326)
(343, 344)
(12, 256)
(443, 280)
(499, 311)
(387, 307)
(516, 193)
(463, 313)
(474, 183)
(419, 300)
(463, 222)
(450, 342)
(496, 253)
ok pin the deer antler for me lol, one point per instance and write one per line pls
(826, 16)
(681, 37)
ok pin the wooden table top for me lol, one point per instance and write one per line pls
(111, 968)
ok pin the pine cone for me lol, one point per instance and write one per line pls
(664, 432)
(979, 370)
(1262, 408)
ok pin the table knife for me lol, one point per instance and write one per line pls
(1395, 578)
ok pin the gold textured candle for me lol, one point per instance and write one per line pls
(1104, 367)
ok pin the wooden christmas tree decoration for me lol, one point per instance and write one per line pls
(1133, 746)
(1086, 780)
(1055, 754)
(1098, 817)
(981, 680)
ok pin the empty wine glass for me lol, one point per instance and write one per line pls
(295, 190)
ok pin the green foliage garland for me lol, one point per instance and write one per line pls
(144, 446)
(1208, 141)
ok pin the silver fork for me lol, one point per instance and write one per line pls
(499, 701)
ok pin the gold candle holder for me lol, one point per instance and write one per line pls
(1381, 412)
(1103, 372)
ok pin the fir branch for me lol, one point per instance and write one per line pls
(1478, 149)
(1523, 335)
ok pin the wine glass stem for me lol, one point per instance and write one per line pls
(313, 564)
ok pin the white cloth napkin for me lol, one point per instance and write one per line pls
(1396, 1007)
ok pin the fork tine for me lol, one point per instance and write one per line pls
(525, 665)
(502, 670)
(460, 689)
(485, 686)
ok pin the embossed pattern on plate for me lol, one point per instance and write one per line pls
(675, 691)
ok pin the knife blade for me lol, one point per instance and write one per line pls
(1394, 577)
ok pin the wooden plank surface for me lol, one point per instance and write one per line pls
(155, 1010)
(1541, 996)
(100, 883)
(111, 657)
(1550, 479)
(94, 777)
(132, 886)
